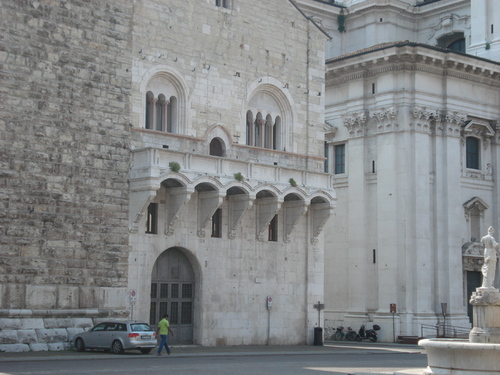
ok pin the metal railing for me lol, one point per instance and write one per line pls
(441, 330)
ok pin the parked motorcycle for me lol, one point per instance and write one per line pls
(368, 334)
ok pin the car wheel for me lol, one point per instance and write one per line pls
(117, 347)
(79, 345)
(146, 350)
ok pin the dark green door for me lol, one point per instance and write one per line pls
(474, 279)
(172, 291)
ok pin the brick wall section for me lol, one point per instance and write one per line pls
(64, 151)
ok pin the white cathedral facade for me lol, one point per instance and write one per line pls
(412, 117)
(255, 169)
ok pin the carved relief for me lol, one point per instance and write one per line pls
(386, 119)
(424, 117)
(447, 24)
(356, 124)
(453, 123)
(472, 256)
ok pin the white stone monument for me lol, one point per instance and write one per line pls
(486, 299)
(481, 353)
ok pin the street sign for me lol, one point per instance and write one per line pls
(269, 302)
(392, 307)
(133, 295)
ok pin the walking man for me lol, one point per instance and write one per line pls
(163, 329)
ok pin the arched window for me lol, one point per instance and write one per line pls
(472, 152)
(269, 116)
(217, 147)
(457, 45)
(165, 104)
(454, 41)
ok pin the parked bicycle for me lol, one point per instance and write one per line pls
(346, 334)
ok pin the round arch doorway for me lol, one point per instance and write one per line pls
(172, 292)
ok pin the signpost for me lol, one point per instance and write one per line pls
(269, 301)
(392, 309)
(133, 299)
(319, 306)
(444, 308)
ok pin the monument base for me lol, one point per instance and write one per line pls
(460, 357)
(486, 306)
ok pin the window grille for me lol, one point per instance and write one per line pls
(164, 291)
(187, 291)
(186, 312)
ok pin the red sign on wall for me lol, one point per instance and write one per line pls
(393, 308)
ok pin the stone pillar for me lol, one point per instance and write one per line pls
(486, 305)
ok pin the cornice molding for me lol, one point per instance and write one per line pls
(483, 73)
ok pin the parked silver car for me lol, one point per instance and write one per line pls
(117, 337)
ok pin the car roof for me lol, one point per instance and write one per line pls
(123, 322)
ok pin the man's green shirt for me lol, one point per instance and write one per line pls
(163, 326)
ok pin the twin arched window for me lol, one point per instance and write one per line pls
(161, 113)
(263, 132)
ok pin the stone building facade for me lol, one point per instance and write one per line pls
(412, 106)
(173, 149)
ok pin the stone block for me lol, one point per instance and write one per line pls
(13, 295)
(89, 297)
(8, 336)
(32, 323)
(27, 336)
(83, 322)
(14, 348)
(114, 298)
(52, 335)
(67, 297)
(10, 323)
(40, 297)
(39, 347)
(57, 346)
(58, 322)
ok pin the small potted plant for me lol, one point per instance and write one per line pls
(174, 166)
(238, 176)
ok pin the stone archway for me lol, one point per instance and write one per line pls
(172, 291)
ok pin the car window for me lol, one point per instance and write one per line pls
(122, 327)
(99, 327)
(112, 327)
(140, 327)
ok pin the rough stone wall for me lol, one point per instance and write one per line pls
(64, 154)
